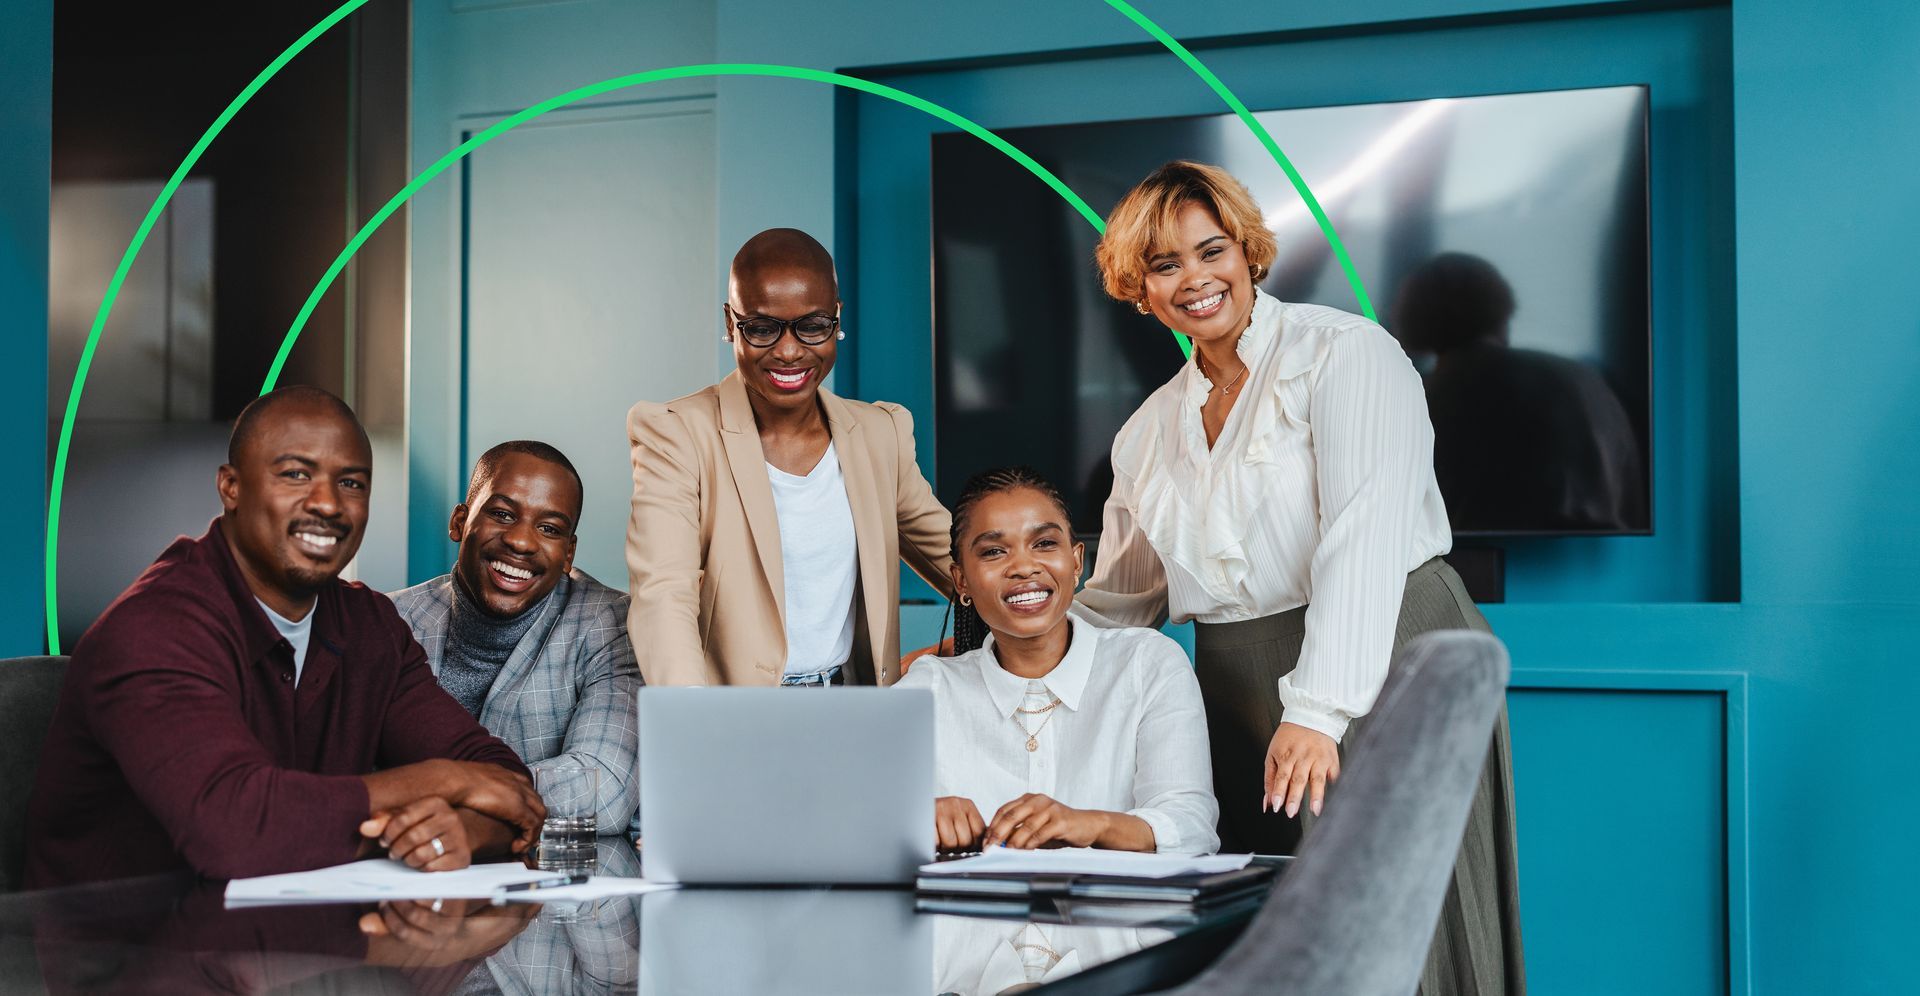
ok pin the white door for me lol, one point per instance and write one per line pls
(568, 269)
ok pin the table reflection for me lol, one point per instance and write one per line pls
(783, 941)
(584, 948)
(973, 957)
(176, 935)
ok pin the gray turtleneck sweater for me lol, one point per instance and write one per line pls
(478, 645)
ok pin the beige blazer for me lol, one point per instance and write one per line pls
(703, 542)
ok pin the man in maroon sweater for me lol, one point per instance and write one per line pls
(241, 711)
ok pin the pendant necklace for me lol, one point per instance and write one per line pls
(1033, 735)
(1230, 384)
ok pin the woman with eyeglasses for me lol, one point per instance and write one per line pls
(769, 515)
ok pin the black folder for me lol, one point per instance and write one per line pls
(1191, 890)
(1091, 912)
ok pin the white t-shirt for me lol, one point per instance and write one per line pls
(820, 564)
(295, 633)
(1129, 735)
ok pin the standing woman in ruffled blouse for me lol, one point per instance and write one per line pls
(1279, 491)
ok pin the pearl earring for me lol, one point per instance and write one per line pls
(840, 335)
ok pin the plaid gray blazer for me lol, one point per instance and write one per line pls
(570, 689)
(596, 951)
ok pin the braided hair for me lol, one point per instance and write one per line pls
(969, 630)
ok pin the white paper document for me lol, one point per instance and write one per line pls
(379, 879)
(1087, 861)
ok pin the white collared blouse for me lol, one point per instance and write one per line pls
(1129, 734)
(1319, 491)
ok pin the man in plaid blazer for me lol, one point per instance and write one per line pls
(533, 648)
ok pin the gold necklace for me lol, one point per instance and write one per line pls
(1052, 957)
(1230, 384)
(1033, 735)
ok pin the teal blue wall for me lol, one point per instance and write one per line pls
(1709, 733)
(1825, 110)
(1596, 886)
(26, 130)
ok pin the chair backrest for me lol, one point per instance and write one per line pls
(1355, 912)
(29, 688)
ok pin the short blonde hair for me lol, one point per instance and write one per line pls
(1142, 223)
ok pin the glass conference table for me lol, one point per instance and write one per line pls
(173, 934)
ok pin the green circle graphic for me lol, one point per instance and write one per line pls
(467, 148)
(570, 97)
(1273, 148)
(160, 203)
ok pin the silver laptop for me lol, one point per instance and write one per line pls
(785, 785)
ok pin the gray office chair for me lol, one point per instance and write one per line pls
(29, 688)
(1356, 911)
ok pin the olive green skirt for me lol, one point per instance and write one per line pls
(1476, 946)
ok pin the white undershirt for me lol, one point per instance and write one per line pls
(295, 633)
(820, 564)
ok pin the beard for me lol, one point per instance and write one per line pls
(307, 580)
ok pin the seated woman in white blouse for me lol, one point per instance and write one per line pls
(1068, 734)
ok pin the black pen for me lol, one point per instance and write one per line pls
(543, 883)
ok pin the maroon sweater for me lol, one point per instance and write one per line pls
(180, 740)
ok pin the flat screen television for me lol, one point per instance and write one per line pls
(1503, 240)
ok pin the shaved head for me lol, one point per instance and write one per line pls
(783, 254)
(262, 411)
(781, 276)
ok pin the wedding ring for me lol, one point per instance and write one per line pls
(439, 849)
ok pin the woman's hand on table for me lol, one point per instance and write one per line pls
(957, 824)
(1035, 820)
(1301, 763)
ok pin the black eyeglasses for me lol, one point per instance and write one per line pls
(762, 332)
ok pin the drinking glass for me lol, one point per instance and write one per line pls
(570, 790)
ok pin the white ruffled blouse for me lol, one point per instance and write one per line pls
(1319, 491)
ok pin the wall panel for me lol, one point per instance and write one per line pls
(26, 130)
(580, 232)
(1623, 837)
(572, 246)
